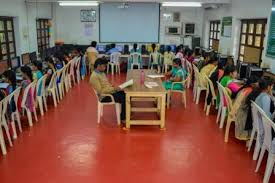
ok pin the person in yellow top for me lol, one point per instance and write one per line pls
(208, 69)
(92, 54)
(100, 83)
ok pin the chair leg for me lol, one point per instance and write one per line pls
(208, 110)
(108, 68)
(253, 133)
(45, 103)
(269, 167)
(8, 134)
(2, 142)
(13, 130)
(98, 112)
(228, 124)
(260, 159)
(17, 115)
(257, 149)
(219, 113)
(40, 103)
(198, 96)
(35, 114)
(184, 99)
(54, 98)
(102, 110)
(168, 99)
(223, 115)
(118, 110)
(29, 115)
(112, 67)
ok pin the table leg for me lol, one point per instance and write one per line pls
(162, 111)
(128, 110)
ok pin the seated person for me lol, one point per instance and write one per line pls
(101, 84)
(177, 74)
(135, 49)
(240, 108)
(113, 49)
(168, 57)
(230, 73)
(50, 71)
(155, 58)
(207, 70)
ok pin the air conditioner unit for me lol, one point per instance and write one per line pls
(173, 30)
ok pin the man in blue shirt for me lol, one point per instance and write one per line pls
(113, 49)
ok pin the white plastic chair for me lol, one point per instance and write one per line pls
(60, 84)
(155, 60)
(190, 71)
(222, 106)
(2, 141)
(15, 116)
(52, 89)
(100, 106)
(136, 59)
(231, 117)
(114, 62)
(267, 145)
(73, 63)
(199, 87)
(3, 121)
(256, 116)
(29, 91)
(41, 99)
(78, 77)
(210, 89)
(67, 77)
(182, 92)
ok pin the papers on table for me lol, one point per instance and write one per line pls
(4, 85)
(155, 76)
(126, 84)
(151, 84)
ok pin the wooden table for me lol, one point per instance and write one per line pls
(139, 92)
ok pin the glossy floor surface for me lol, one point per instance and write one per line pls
(67, 145)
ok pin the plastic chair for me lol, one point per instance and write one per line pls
(15, 116)
(210, 89)
(2, 141)
(78, 77)
(114, 62)
(231, 114)
(29, 91)
(67, 77)
(136, 60)
(52, 89)
(73, 64)
(3, 121)
(60, 84)
(267, 145)
(190, 71)
(255, 131)
(199, 86)
(183, 92)
(41, 99)
(222, 106)
(100, 106)
(167, 62)
(154, 60)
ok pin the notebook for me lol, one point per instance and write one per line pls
(155, 76)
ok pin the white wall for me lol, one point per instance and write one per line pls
(25, 22)
(239, 9)
(71, 30)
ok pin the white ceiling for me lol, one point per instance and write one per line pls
(203, 1)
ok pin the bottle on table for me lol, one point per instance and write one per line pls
(142, 77)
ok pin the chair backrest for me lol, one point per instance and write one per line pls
(29, 90)
(256, 116)
(211, 87)
(198, 77)
(77, 63)
(41, 83)
(220, 90)
(227, 99)
(15, 95)
(96, 94)
(268, 125)
(52, 83)
(114, 58)
(136, 58)
(154, 58)
(91, 56)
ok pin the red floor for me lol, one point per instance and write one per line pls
(67, 145)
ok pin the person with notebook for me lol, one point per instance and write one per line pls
(100, 83)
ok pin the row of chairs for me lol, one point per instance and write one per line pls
(264, 139)
(60, 83)
(135, 59)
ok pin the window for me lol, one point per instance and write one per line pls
(43, 37)
(7, 40)
(252, 35)
(214, 33)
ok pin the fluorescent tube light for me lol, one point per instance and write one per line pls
(182, 4)
(78, 3)
(273, 9)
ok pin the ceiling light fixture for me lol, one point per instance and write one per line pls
(78, 3)
(182, 4)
